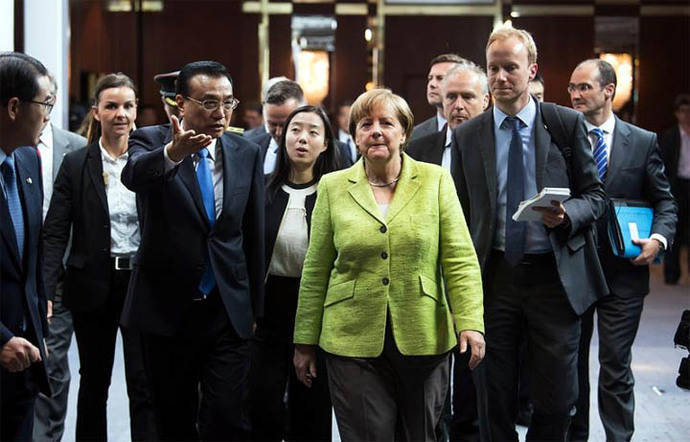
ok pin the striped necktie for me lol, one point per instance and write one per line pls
(599, 153)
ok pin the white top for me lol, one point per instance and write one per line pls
(383, 207)
(45, 148)
(293, 235)
(122, 206)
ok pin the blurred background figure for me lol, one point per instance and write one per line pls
(252, 116)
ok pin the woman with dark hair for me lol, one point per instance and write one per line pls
(306, 152)
(90, 201)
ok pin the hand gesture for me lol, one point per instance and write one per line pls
(305, 363)
(185, 142)
(475, 340)
(18, 354)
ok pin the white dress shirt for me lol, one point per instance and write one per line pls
(446, 158)
(122, 206)
(608, 127)
(271, 157)
(45, 147)
(215, 164)
(346, 139)
(440, 121)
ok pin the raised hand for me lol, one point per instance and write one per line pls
(185, 142)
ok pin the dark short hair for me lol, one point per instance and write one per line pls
(19, 76)
(284, 90)
(211, 69)
(327, 162)
(681, 100)
(538, 78)
(446, 58)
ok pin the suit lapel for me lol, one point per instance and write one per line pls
(229, 152)
(94, 163)
(30, 196)
(542, 144)
(485, 139)
(619, 146)
(436, 151)
(361, 192)
(60, 143)
(8, 230)
(406, 189)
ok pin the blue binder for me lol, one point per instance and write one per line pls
(628, 219)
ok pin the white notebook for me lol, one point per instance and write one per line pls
(524, 211)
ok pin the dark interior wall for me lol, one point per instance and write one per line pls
(411, 42)
(349, 69)
(562, 42)
(279, 42)
(664, 69)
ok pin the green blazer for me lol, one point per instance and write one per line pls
(360, 265)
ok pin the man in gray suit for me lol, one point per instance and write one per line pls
(49, 422)
(540, 276)
(438, 68)
(630, 166)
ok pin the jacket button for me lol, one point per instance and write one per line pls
(384, 255)
(385, 281)
(383, 229)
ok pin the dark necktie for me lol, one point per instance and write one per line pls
(515, 231)
(13, 203)
(203, 175)
(599, 153)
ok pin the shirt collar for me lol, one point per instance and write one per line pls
(526, 115)
(47, 135)
(682, 132)
(440, 120)
(606, 127)
(449, 136)
(273, 146)
(106, 155)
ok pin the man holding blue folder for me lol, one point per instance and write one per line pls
(630, 166)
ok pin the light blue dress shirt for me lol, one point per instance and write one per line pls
(536, 240)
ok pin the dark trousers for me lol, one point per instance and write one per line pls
(389, 397)
(199, 377)
(96, 333)
(529, 298)
(618, 319)
(672, 269)
(460, 420)
(303, 414)
(49, 423)
(17, 397)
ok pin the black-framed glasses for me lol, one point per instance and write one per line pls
(213, 104)
(47, 105)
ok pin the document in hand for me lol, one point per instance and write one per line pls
(524, 211)
(628, 220)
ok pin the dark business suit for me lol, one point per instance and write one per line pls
(93, 291)
(635, 172)
(426, 127)
(188, 341)
(255, 132)
(51, 411)
(548, 291)
(463, 425)
(22, 300)
(670, 144)
(264, 140)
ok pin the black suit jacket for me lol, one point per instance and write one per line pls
(669, 142)
(635, 172)
(573, 244)
(176, 236)
(264, 140)
(79, 204)
(22, 294)
(426, 127)
(428, 148)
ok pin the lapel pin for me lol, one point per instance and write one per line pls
(29, 180)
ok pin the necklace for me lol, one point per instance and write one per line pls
(384, 185)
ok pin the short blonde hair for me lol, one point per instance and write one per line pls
(505, 32)
(368, 101)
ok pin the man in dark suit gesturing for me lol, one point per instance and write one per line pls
(540, 276)
(25, 105)
(630, 166)
(197, 283)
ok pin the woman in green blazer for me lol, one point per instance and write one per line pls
(385, 235)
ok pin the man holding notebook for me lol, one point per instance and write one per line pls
(630, 166)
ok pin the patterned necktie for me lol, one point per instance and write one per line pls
(515, 231)
(599, 153)
(203, 175)
(13, 203)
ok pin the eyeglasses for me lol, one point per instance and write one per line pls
(47, 105)
(581, 88)
(211, 104)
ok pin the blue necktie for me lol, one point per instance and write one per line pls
(203, 175)
(13, 203)
(515, 231)
(599, 153)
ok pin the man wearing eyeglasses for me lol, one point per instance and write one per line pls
(197, 282)
(25, 103)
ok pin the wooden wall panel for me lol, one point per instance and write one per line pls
(411, 42)
(279, 40)
(664, 69)
(349, 69)
(562, 42)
